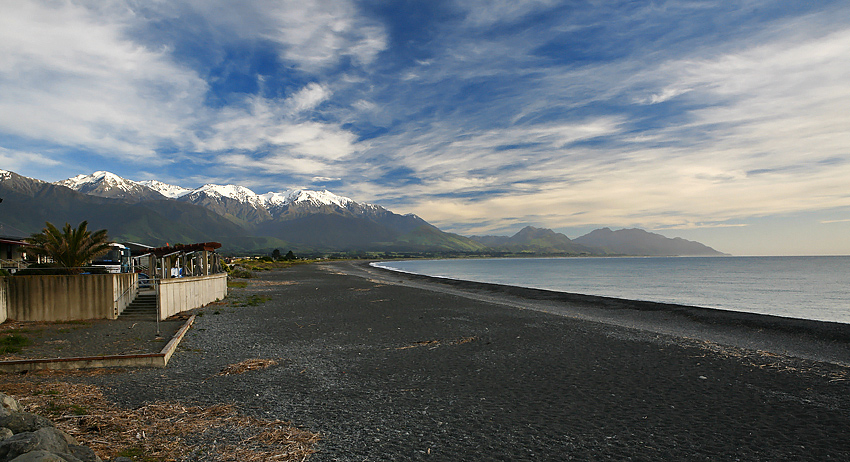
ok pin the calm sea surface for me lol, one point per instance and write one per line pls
(797, 287)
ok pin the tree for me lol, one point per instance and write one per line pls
(276, 254)
(69, 248)
(289, 256)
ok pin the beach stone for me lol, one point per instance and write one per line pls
(39, 456)
(83, 453)
(46, 439)
(20, 422)
(5, 433)
(68, 438)
(9, 403)
(68, 457)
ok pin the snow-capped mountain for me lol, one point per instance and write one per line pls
(167, 190)
(106, 184)
(311, 219)
(237, 203)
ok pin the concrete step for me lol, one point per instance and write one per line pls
(142, 307)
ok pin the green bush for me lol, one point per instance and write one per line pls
(241, 273)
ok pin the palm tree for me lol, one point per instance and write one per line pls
(70, 248)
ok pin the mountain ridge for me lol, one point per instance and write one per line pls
(301, 219)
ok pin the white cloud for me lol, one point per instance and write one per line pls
(488, 12)
(17, 161)
(318, 34)
(263, 123)
(71, 77)
(308, 98)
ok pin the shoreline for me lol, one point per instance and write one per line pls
(813, 288)
(826, 341)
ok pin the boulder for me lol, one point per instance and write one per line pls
(44, 439)
(20, 422)
(39, 456)
(9, 403)
(83, 453)
(5, 433)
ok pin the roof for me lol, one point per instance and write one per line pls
(208, 246)
(12, 241)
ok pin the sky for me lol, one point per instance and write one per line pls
(723, 121)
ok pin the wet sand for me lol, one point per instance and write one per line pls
(388, 367)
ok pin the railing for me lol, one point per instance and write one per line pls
(131, 289)
(12, 264)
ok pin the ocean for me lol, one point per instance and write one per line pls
(815, 288)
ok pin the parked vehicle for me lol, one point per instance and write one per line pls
(116, 260)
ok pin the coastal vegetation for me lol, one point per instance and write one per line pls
(70, 248)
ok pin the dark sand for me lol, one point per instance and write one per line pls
(417, 370)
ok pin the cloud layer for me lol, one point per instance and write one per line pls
(481, 117)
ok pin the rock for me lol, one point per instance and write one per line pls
(39, 456)
(68, 458)
(46, 439)
(83, 453)
(5, 433)
(69, 438)
(20, 422)
(9, 403)
(121, 459)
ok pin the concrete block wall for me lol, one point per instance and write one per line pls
(181, 294)
(68, 298)
(3, 310)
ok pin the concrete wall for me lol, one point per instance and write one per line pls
(181, 294)
(3, 311)
(68, 298)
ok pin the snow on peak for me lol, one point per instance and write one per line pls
(323, 197)
(5, 174)
(239, 193)
(167, 190)
(110, 180)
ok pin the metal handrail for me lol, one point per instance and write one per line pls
(134, 286)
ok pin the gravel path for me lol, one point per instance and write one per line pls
(385, 371)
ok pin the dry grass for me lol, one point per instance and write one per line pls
(161, 431)
(247, 365)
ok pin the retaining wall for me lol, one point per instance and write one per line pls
(181, 294)
(68, 298)
(3, 315)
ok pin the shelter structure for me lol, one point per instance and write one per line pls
(13, 253)
(182, 260)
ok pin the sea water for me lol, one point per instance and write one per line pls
(797, 287)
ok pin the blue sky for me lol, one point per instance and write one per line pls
(725, 121)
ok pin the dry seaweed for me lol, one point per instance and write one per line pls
(247, 365)
(161, 431)
(436, 343)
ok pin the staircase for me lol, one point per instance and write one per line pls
(143, 308)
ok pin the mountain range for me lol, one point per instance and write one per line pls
(308, 221)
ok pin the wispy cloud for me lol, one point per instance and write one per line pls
(474, 115)
(72, 78)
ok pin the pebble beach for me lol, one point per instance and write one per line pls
(385, 366)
